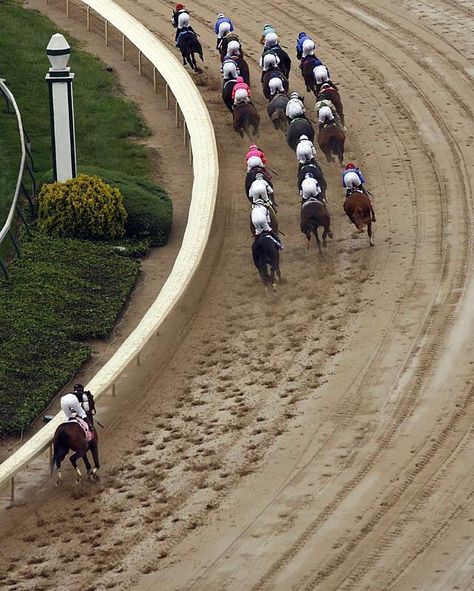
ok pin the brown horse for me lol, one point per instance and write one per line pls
(266, 258)
(331, 93)
(307, 67)
(315, 214)
(225, 42)
(70, 436)
(246, 120)
(331, 140)
(360, 211)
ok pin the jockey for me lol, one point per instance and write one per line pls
(222, 27)
(295, 106)
(254, 151)
(321, 74)
(271, 41)
(305, 151)
(266, 29)
(325, 116)
(71, 403)
(261, 221)
(230, 71)
(269, 61)
(233, 49)
(260, 189)
(180, 20)
(275, 85)
(352, 177)
(310, 188)
(327, 103)
(302, 37)
(241, 91)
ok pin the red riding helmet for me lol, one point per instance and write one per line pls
(179, 6)
(350, 165)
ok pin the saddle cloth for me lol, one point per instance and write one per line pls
(84, 426)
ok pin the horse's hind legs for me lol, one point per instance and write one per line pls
(73, 459)
(318, 241)
(369, 232)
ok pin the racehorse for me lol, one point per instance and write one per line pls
(246, 119)
(267, 76)
(252, 174)
(315, 214)
(296, 129)
(227, 89)
(331, 140)
(188, 44)
(276, 110)
(307, 67)
(266, 258)
(243, 68)
(71, 436)
(332, 94)
(360, 211)
(225, 42)
(315, 171)
(284, 59)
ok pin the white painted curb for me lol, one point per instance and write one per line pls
(201, 211)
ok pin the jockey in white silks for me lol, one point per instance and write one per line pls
(230, 70)
(271, 39)
(321, 74)
(309, 48)
(71, 406)
(325, 115)
(260, 189)
(269, 61)
(310, 188)
(254, 162)
(241, 96)
(305, 150)
(294, 107)
(233, 48)
(275, 85)
(261, 219)
(327, 103)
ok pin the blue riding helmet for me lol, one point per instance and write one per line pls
(302, 34)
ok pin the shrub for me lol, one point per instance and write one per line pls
(83, 207)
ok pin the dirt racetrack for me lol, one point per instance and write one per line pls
(320, 439)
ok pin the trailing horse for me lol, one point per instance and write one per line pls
(70, 436)
(189, 45)
(284, 59)
(315, 171)
(360, 211)
(227, 89)
(266, 258)
(267, 76)
(276, 110)
(314, 214)
(246, 120)
(243, 68)
(331, 140)
(296, 129)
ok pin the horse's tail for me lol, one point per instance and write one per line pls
(60, 446)
(359, 217)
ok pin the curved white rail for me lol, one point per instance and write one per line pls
(201, 211)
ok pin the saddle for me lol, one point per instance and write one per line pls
(353, 191)
(318, 200)
(88, 432)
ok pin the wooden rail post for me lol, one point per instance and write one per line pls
(167, 96)
(88, 18)
(124, 57)
(106, 32)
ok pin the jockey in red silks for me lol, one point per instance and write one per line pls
(241, 91)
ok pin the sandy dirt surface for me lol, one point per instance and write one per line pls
(320, 439)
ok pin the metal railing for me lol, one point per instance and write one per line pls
(198, 135)
(25, 177)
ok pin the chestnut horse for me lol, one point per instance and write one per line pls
(266, 258)
(70, 436)
(315, 214)
(331, 140)
(246, 119)
(331, 93)
(360, 211)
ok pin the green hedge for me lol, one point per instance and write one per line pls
(61, 291)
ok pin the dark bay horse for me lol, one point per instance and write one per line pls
(246, 120)
(315, 171)
(360, 211)
(225, 42)
(331, 139)
(331, 93)
(70, 436)
(314, 214)
(267, 76)
(189, 45)
(251, 175)
(277, 110)
(266, 258)
(285, 60)
(296, 129)
(243, 67)
(227, 89)
(307, 67)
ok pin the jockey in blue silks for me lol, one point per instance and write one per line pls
(352, 177)
(302, 37)
(222, 27)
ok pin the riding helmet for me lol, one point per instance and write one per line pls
(303, 137)
(220, 15)
(78, 387)
(179, 6)
(259, 175)
(259, 202)
(350, 165)
(302, 34)
(295, 95)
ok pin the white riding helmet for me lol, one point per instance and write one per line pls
(233, 46)
(308, 175)
(303, 137)
(259, 202)
(220, 15)
(271, 39)
(294, 95)
(269, 60)
(259, 176)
